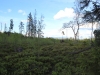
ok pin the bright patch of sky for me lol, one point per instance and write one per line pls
(56, 12)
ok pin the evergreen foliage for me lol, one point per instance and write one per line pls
(21, 27)
(11, 25)
(34, 26)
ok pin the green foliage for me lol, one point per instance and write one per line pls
(21, 55)
(11, 25)
(35, 26)
(97, 37)
(92, 14)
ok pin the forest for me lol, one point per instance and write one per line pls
(32, 54)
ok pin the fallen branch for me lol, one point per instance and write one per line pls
(79, 51)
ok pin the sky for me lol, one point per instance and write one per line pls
(56, 12)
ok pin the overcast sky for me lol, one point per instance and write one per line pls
(56, 12)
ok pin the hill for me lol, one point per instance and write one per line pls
(21, 55)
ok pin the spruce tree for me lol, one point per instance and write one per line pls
(11, 25)
(30, 25)
(21, 27)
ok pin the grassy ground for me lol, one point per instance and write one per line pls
(47, 56)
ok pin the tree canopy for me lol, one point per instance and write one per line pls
(91, 8)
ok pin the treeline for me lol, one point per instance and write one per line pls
(34, 27)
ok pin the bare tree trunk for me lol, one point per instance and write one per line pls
(75, 33)
(92, 34)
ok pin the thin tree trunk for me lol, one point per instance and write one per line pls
(75, 34)
(92, 32)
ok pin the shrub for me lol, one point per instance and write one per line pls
(97, 37)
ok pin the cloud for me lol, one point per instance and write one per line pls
(57, 33)
(63, 1)
(89, 26)
(9, 10)
(25, 21)
(84, 32)
(52, 33)
(67, 12)
(22, 12)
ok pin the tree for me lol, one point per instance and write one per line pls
(92, 13)
(97, 37)
(11, 25)
(72, 25)
(30, 25)
(40, 27)
(35, 24)
(77, 21)
(93, 9)
(5, 29)
(21, 27)
(1, 27)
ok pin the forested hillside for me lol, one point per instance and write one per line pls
(21, 55)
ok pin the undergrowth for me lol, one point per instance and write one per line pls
(21, 55)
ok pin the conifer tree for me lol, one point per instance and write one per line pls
(11, 25)
(21, 27)
(35, 24)
(30, 25)
(5, 29)
(40, 27)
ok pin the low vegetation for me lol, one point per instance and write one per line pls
(21, 55)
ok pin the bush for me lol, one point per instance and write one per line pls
(97, 37)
